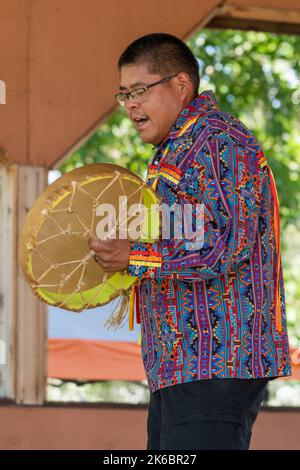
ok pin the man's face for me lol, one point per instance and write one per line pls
(158, 108)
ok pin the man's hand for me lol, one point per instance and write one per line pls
(112, 255)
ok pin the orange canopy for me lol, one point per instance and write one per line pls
(95, 360)
(108, 360)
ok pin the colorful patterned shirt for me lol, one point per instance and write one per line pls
(217, 311)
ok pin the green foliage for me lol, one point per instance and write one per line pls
(117, 142)
(255, 77)
(116, 391)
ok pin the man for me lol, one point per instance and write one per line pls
(213, 318)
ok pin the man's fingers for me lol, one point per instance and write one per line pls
(98, 245)
(111, 255)
(107, 267)
(103, 258)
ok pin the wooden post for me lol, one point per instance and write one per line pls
(7, 277)
(32, 318)
(23, 317)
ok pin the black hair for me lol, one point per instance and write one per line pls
(164, 54)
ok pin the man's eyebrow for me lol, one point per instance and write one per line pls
(134, 85)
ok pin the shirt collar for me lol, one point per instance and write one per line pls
(184, 123)
(188, 116)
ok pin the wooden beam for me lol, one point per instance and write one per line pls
(254, 25)
(277, 15)
(256, 18)
(23, 317)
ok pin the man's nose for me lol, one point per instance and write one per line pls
(130, 105)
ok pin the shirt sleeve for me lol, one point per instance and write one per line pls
(224, 177)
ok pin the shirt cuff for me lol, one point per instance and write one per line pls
(145, 260)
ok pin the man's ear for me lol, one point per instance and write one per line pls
(185, 83)
(183, 79)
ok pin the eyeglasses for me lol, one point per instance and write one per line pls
(137, 93)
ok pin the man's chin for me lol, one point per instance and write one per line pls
(148, 139)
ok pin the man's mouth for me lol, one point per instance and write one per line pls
(139, 123)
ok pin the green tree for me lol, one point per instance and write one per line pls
(255, 77)
(116, 141)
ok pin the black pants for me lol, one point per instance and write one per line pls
(204, 414)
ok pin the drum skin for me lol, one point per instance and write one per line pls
(53, 247)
